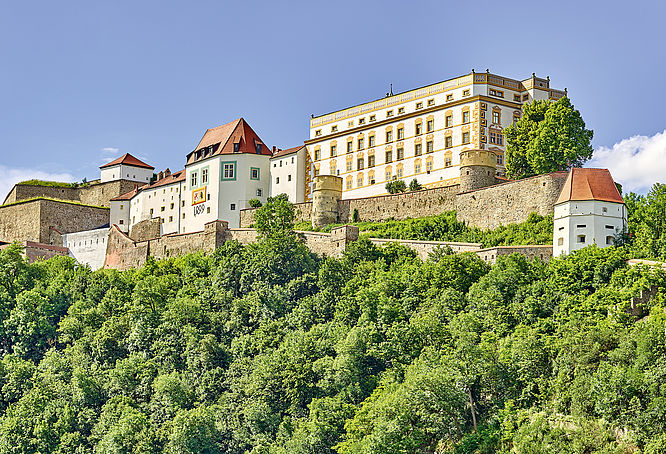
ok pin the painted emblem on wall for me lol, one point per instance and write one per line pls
(199, 195)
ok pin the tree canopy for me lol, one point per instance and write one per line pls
(549, 136)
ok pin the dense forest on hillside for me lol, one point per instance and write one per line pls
(267, 348)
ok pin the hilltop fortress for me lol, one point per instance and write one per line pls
(447, 135)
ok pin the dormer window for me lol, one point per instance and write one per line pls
(258, 148)
(236, 147)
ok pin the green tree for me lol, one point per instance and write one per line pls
(549, 136)
(394, 187)
(414, 185)
(276, 218)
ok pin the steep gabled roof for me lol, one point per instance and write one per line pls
(173, 178)
(288, 151)
(589, 184)
(127, 160)
(223, 138)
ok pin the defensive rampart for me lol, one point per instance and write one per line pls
(486, 208)
(44, 220)
(93, 193)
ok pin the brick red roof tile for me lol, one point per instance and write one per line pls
(589, 184)
(127, 160)
(288, 151)
(175, 177)
(223, 138)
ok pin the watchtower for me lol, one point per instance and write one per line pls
(326, 193)
(477, 169)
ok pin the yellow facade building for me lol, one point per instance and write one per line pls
(419, 134)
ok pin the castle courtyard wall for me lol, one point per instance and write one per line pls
(94, 193)
(510, 202)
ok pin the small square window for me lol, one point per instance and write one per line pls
(350, 123)
(401, 110)
(373, 117)
(317, 134)
(236, 147)
(260, 192)
(254, 173)
(419, 105)
(361, 121)
(334, 128)
(516, 98)
(431, 102)
(233, 206)
(389, 113)
(465, 92)
(288, 177)
(449, 97)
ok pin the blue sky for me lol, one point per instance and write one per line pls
(82, 82)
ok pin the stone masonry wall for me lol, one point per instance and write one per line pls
(20, 222)
(94, 193)
(424, 248)
(147, 229)
(303, 212)
(510, 202)
(429, 202)
(542, 252)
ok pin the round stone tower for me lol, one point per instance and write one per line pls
(477, 169)
(326, 193)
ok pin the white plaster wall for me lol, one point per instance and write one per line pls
(120, 214)
(595, 219)
(123, 172)
(88, 247)
(165, 203)
(284, 167)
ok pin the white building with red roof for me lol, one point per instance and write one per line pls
(228, 168)
(127, 167)
(289, 173)
(589, 210)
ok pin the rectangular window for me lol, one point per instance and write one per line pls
(419, 128)
(581, 226)
(371, 161)
(389, 136)
(431, 102)
(449, 121)
(359, 163)
(360, 143)
(317, 156)
(204, 176)
(496, 117)
(610, 227)
(361, 121)
(388, 114)
(419, 105)
(350, 146)
(387, 174)
(417, 167)
(493, 137)
(465, 116)
(430, 126)
(526, 97)
(257, 147)
(465, 137)
(317, 134)
(398, 172)
(428, 166)
(233, 207)
(417, 149)
(289, 177)
(465, 92)
(401, 110)
(500, 139)
(401, 153)
(389, 156)
(447, 161)
(371, 141)
(448, 142)
(260, 192)
(254, 173)
(500, 159)
(349, 183)
(277, 180)
(349, 166)
(516, 98)
(237, 146)
(229, 170)
(350, 123)
(429, 146)
(333, 151)
(449, 97)
(334, 128)
(194, 179)
(373, 117)
(401, 133)
(170, 218)
(581, 238)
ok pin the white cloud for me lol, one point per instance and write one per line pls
(637, 162)
(108, 154)
(13, 175)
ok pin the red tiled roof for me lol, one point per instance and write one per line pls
(173, 178)
(127, 160)
(287, 151)
(589, 184)
(224, 137)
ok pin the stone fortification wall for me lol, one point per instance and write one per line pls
(43, 220)
(428, 202)
(303, 212)
(37, 251)
(146, 230)
(424, 248)
(95, 193)
(510, 202)
(542, 252)
(122, 252)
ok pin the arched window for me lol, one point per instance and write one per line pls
(398, 171)
(417, 166)
(371, 177)
(388, 173)
(359, 180)
(350, 182)
(429, 164)
(333, 166)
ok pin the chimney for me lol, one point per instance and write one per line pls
(274, 149)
